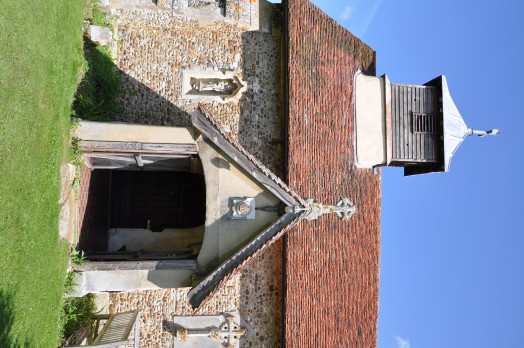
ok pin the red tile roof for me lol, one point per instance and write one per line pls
(332, 266)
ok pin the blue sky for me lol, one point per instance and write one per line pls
(452, 243)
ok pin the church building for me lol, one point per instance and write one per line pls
(228, 186)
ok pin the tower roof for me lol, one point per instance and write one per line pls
(455, 129)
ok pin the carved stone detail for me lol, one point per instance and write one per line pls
(222, 87)
(344, 209)
(209, 331)
(242, 207)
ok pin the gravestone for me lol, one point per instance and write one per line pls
(100, 35)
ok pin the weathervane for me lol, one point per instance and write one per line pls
(344, 209)
(480, 133)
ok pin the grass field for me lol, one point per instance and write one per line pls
(40, 56)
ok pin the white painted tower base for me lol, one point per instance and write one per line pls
(370, 120)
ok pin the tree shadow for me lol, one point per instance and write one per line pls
(97, 92)
(7, 317)
(143, 105)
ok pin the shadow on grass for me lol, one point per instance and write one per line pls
(96, 96)
(7, 322)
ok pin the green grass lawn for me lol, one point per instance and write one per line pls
(40, 56)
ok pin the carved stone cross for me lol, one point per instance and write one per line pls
(209, 331)
(344, 209)
(229, 332)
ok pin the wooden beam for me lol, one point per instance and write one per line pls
(120, 154)
(170, 148)
(139, 161)
(137, 147)
(113, 146)
(148, 265)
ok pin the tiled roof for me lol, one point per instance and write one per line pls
(332, 266)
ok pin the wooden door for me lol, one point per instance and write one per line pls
(157, 200)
